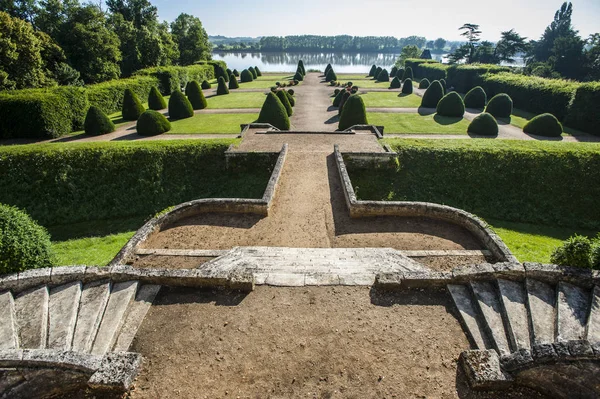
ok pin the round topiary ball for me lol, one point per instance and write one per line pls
(205, 85)
(97, 123)
(336, 92)
(331, 76)
(483, 125)
(222, 87)
(274, 112)
(196, 96)
(132, 107)
(407, 86)
(353, 113)
(233, 83)
(396, 84)
(246, 76)
(476, 98)
(179, 106)
(152, 123)
(23, 243)
(291, 91)
(544, 125)
(500, 106)
(155, 100)
(433, 95)
(283, 97)
(451, 105)
(253, 72)
(408, 74)
(424, 83)
(383, 76)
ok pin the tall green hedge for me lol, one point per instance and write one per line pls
(584, 111)
(108, 96)
(174, 77)
(417, 63)
(432, 71)
(464, 77)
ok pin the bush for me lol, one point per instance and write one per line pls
(476, 98)
(377, 72)
(283, 97)
(544, 125)
(220, 73)
(575, 251)
(408, 74)
(443, 83)
(433, 95)
(172, 78)
(228, 72)
(274, 112)
(233, 83)
(132, 106)
(432, 72)
(407, 86)
(400, 73)
(301, 66)
(500, 106)
(222, 87)
(253, 72)
(97, 123)
(345, 98)
(152, 123)
(246, 76)
(424, 83)
(451, 105)
(195, 96)
(331, 76)
(291, 91)
(155, 100)
(394, 71)
(236, 73)
(290, 96)
(258, 72)
(373, 70)
(336, 92)
(383, 76)
(464, 77)
(23, 243)
(205, 85)
(595, 253)
(179, 106)
(338, 98)
(484, 124)
(417, 65)
(299, 77)
(584, 109)
(353, 113)
(327, 68)
(396, 84)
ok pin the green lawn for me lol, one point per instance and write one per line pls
(390, 100)
(211, 123)
(237, 100)
(519, 118)
(418, 124)
(90, 250)
(265, 81)
(345, 77)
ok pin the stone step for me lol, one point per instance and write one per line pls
(465, 303)
(62, 315)
(31, 309)
(91, 309)
(573, 306)
(514, 301)
(541, 301)
(135, 316)
(491, 308)
(9, 339)
(593, 324)
(120, 298)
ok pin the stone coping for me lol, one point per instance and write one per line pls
(192, 208)
(114, 371)
(376, 130)
(421, 209)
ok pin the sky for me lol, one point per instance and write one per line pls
(399, 18)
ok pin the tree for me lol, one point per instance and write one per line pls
(593, 57)
(430, 44)
(52, 14)
(22, 9)
(439, 43)
(510, 44)
(140, 12)
(459, 54)
(407, 52)
(567, 56)
(471, 32)
(191, 39)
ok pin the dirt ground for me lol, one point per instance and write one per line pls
(318, 342)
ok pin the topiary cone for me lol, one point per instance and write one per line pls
(373, 70)
(291, 98)
(179, 106)
(327, 68)
(246, 76)
(345, 96)
(433, 95)
(331, 76)
(253, 72)
(424, 83)
(97, 123)
(408, 74)
(222, 87)
(196, 96)
(338, 98)
(395, 83)
(501, 106)
(132, 107)
(301, 66)
(353, 113)
(236, 73)
(407, 86)
(155, 100)
(206, 85)
(451, 105)
(152, 123)
(476, 98)
(393, 72)
(483, 125)
(258, 72)
(282, 96)
(377, 72)
(544, 125)
(233, 83)
(274, 112)
(383, 76)
(298, 76)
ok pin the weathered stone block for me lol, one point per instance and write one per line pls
(517, 360)
(116, 372)
(544, 353)
(482, 368)
(64, 274)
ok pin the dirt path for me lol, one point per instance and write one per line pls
(313, 111)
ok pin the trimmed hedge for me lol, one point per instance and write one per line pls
(246, 76)
(395, 83)
(179, 106)
(196, 96)
(476, 98)
(171, 78)
(432, 71)
(205, 85)
(417, 63)
(156, 101)
(132, 106)
(484, 124)
(451, 105)
(274, 112)
(433, 95)
(584, 109)
(108, 96)
(424, 83)
(407, 86)
(253, 72)
(233, 83)
(544, 125)
(353, 113)
(408, 74)
(464, 77)
(383, 76)
(501, 106)
(283, 97)
(97, 123)
(152, 123)
(330, 76)
(222, 88)
(552, 183)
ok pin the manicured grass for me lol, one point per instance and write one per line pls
(265, 81)
(520, 118)
(391, 100)
(418, 124)
(236, 100)
(89, 251)
(211, 123)
(345, 77)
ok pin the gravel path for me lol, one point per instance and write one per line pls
(313, 110)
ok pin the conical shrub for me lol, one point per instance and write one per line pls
(331, 76)
(408, 74)
(400, 73)
(407, 86)
(393, 72)
(233, 83)
(283, 97)
(443, 83)
(195, 96)
(353, 113)
(274, 112)
(97, 123)
(246, 76)
(291, 98)
(396, 84)
(179, 106)
(377, 72)
(228, 72)
(501, 106)
(483, 125)
(298, 76)
(433, 95)
(152, 123)
(132, 107)
(258, 72)
(338, 98)
(424, 83)
(345, 98)
(383, 76)
(236, 73)
(544, 125)
(373, 70)
(155, 100)
(253, 72)
(220, 72)
(301, 66)
(327, 68)
(476, 98)
(222, 87)
(205, 85)
(451, 105)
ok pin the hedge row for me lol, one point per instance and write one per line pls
(175, 77)
(432, 71)
(533, 182)
(108, 96)
(93, 181)
(584, 109)
(464, 77)
(416, 63)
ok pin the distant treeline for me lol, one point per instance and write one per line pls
(381, 44)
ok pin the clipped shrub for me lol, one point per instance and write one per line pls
(418, 64)
(228, 72)
(451, 105)
(246, 76)
(132, 107)
(290, 96)
(424, 83)
(167, 78)
(179, 106)
(574, 251)
(152, 123)
(433, 95)
(283, 97)
(195, 96)
(222, 87)
(336, 92)
(23, 243)
(484, 124)
(383, 76)
(373, 70)
(155, 100)
(220, 73)
(407, 86)
(443, 83)
(327, 68)
(274, 112)
(377, 72)
(345, 98)
(205, 85)
(338, 98)
(258, 72)
(393, 72)
(464, 77)
(299, 77)
(476, 98)
(233, 83)
(353, 113)
(408, 74)
(236, 73)
(396, 84)
(301, 66)
(400, 73)
(291, 91)
(431, 72)
(253, 72)
(331, 76)
(500, 106)
(97, 123)
(544, 125)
